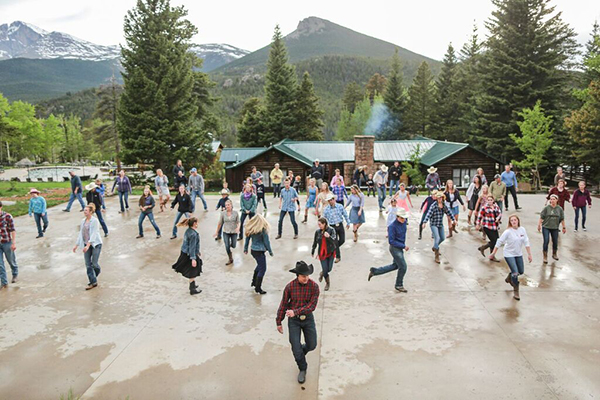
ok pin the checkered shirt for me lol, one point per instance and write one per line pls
(487, 216)
(7, 226)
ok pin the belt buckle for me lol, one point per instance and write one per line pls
(302, 317)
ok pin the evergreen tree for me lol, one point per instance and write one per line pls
(353, 94)
(592, 50)
(280, 93)
(468, 82)
(107, 133)
(251, 126)
(526, 57)
(158, 107)
(394, 97)
(447, 119)
(376, 86)
(308, 112)
(354, 124)
(421, 102)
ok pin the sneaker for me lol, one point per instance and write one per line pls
(585, 230)
(158, 236)
(106, 234)
(575, 230)
(295, 236)
(401, 289)
(518, 208)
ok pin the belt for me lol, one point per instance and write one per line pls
(336, 225)
(302, 317)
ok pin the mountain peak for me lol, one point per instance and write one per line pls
(310, 26)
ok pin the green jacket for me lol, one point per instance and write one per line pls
(498, 190)
(248, 205)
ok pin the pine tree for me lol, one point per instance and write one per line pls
(308, 112)
(354, 124)
(107, 110)
(528, 52)
(280, 93)
(251, 126)
(394, 97)
(158, 107)
(421, 102)
(468, 81)
(592, 50)
(376, 86)
(447, 115)
(353, 94)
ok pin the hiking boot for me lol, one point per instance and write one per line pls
(545, 257)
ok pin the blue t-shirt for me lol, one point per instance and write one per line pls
(509, 178)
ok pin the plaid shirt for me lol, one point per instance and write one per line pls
(435, 215)
(336, 214)
(302, 299)
(7, 226)
(340, 192)
(488, 215)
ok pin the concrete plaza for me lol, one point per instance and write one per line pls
(456, 334)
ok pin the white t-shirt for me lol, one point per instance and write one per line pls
(513, 241)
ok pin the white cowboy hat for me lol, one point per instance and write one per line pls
(401, 212)
(432, 169)
(383, 168)
(224, 191)
(330, 196)
(91, 186)
(34, 190)
(439, 195)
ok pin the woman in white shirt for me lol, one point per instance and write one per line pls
(513, 239)
(90, 242)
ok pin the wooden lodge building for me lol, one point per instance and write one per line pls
(454, 161)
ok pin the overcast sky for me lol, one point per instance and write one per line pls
(425, 27)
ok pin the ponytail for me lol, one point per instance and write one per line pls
(188, 221)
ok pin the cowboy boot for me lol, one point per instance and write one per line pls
(555, 254)
(327, 284)
(508, 279)
(545, 257)
(305, 218)
(230, 261)
(483, 248)
(258, 288)
(194, 289)
(254, 279)
(516, 292)
(450, 232)
(437, 256)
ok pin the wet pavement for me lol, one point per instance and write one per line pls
(456, 334)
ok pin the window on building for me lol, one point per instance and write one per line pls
(462, 177)
(266, 177)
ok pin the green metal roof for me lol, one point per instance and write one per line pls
(400, 150)
(228, 155)
(331, 151)
(440, 151)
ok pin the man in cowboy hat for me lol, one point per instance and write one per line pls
(93, 197)
(397, 241)
(335, 214)
(300, 298)
(37, 208)
(432, 182)
(380, 178)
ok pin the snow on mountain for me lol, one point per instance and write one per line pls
(217, 54)
(23, 40)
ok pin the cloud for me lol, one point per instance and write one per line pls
(76, 16)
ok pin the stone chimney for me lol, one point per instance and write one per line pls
(364, 152)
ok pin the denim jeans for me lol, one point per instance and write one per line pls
(126, 196)
(6, 251)
(517, 267)
(438, 235)
(103, 204)
(276, 189)
(72, 199)
(38, 221)
(394, 187)
(307, 327)
(399, 263)
(91, 262)
(177, 218)
(101, 220)
(327, 266)
(583, 215)
(381, 195)
(151, 218)
(292, 218)
(198, 193)
(242, 219)
(513, 191)
(499, 203)
(547, 233)
(261, 262)
(229, 239)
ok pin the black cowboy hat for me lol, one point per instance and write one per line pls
(302, 268)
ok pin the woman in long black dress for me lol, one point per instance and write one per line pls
(189, 263)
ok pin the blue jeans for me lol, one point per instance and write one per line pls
(547, 233)
(242, 219)
(151, 218)
(198, 193)
(72, 199)
(398, 264)
(91, 262)
(499, 203)
(101, 220)
(261, 262)
(394, 187)
(296, 327)
(381, 195)
(327, 266)
(38, 221)
(177, 218)
(103, 204)
(583, 215)
(126, 195)
(6, 251)
(438, 235)
(276, 189)
(517, 267)
(292, 218)
(229, 239)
